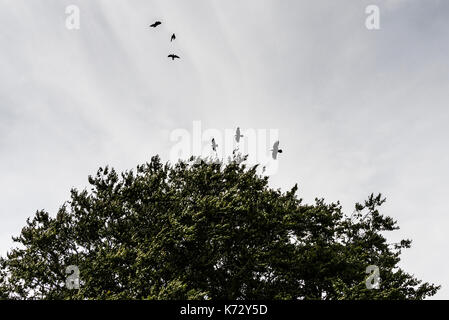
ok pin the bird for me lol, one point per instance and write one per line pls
(275, 150)
(173, 37)
(173, 56)
(154, 25)
(214, 145)
(238, 135)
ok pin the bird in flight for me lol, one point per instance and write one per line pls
(154, 25)
(173, 56)
(238, 135)
(275, 150)
(214, 145)
(173, 37)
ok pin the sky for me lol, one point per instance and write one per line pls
(356, 110)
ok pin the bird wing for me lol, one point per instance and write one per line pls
(175, 56)
(276, 145)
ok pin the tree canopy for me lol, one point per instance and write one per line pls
(204, 230)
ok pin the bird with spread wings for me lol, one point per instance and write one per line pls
(214, 145)
(275, 150)
(173, 56)
(238, 135)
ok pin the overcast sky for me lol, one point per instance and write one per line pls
(357, 110)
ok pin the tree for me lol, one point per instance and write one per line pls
(204, 230)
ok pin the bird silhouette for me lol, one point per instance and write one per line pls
(214, 145)
(275, 150)
(238, 135)
(154, 25)
(173, 56)
(173, 37)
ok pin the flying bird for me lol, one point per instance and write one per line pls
(214, 145)
(154, 25)
(238, 135)
(275, 150)
(173, 56)
(173, 37)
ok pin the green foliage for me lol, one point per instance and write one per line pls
(199, 230)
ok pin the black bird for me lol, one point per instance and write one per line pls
(173, 56)
(154, 25)
(173, 37)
